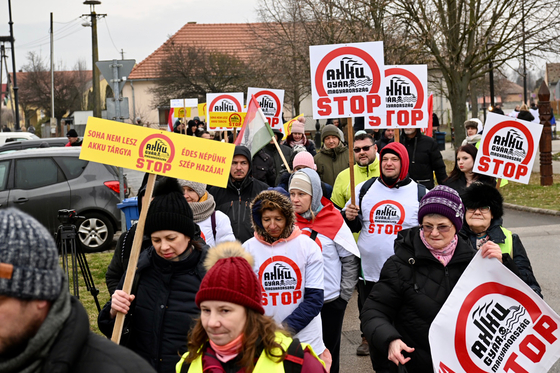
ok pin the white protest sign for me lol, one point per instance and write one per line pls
(183, 102)
(271, 102)
(347, 81)
(406, 96)
(493, 322)
(223, 102)
(508, 148)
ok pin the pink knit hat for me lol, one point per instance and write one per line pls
(304, 159)
(299, 126)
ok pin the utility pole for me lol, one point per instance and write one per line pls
(14, 84)
(53, 119)
(95, 55)
(122, 54)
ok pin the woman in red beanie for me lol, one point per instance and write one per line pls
(232, 334)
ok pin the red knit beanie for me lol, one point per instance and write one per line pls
(230, 277)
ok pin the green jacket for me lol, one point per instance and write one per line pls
(330, 162)
(341, 187)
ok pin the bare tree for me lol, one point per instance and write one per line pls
(69, 87)
(464, 36)
(293, 25)
(190, 71)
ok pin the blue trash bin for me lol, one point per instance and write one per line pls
(440, 139)
(130, 208)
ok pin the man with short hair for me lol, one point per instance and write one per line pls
(387, 136)
(333, 155)
(366, 167)
(235, 200)
(42, 328)
(73, 139)
(425, 158)
(384, 206)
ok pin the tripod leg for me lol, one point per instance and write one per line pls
(88, 278)
(75, 279)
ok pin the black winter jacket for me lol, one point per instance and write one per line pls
(164, 309)
(119, 262)
(523, 268)
(412, 288)
(77, 349)
(235, 202)
(425, 159)
(279, 165)
(263, 168)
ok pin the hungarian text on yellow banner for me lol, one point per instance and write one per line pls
(159, 152)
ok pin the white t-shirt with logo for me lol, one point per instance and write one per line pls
(385, 212)
(284, 270)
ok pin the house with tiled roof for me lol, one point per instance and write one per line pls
(229, 38)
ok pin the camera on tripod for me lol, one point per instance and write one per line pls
(68, 217)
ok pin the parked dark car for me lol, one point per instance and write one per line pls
(52, 142)
(43, 181)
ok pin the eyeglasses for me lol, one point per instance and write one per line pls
(483, 209)
(364, 148)
(440, 228)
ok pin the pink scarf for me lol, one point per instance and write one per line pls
(229, 351)
(443, 255)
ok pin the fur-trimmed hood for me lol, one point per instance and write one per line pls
(227, 250)
(481, 194)
(283, 203)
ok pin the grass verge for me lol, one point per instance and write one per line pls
(98, 263)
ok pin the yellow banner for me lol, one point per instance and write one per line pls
(202, 110)
(220, 119)
(180, 112)
(158, 152)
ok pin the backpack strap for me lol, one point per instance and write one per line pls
(294, 357)
(422, 190)
(213, 222)
(313, 235)
(363, 190)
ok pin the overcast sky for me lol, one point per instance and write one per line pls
(138, 27)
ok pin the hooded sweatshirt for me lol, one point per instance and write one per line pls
(340, 252)
(389, 206)
(290, 271)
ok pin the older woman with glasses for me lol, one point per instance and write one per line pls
(483, 227)
(416, 281)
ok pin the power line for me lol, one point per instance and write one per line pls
(110, 37)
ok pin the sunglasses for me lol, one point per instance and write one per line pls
(364, 148)
(440, 228)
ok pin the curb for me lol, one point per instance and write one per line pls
(535, 210)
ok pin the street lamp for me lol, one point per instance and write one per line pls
(95, 54)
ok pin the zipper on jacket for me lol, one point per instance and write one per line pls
(446, 271)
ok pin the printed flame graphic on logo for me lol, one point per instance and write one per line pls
(414, 79)
(339, 52)
(271, 95)
(158, 136)
(226, 97)
(387, 202)
(280, 258)
(461, 328)
(516, 125)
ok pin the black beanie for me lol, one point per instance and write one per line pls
(169, 210)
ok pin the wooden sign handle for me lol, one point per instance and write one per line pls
(134, 254)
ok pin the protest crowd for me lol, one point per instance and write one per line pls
(257, 276)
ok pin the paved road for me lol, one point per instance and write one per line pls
(540, 235)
